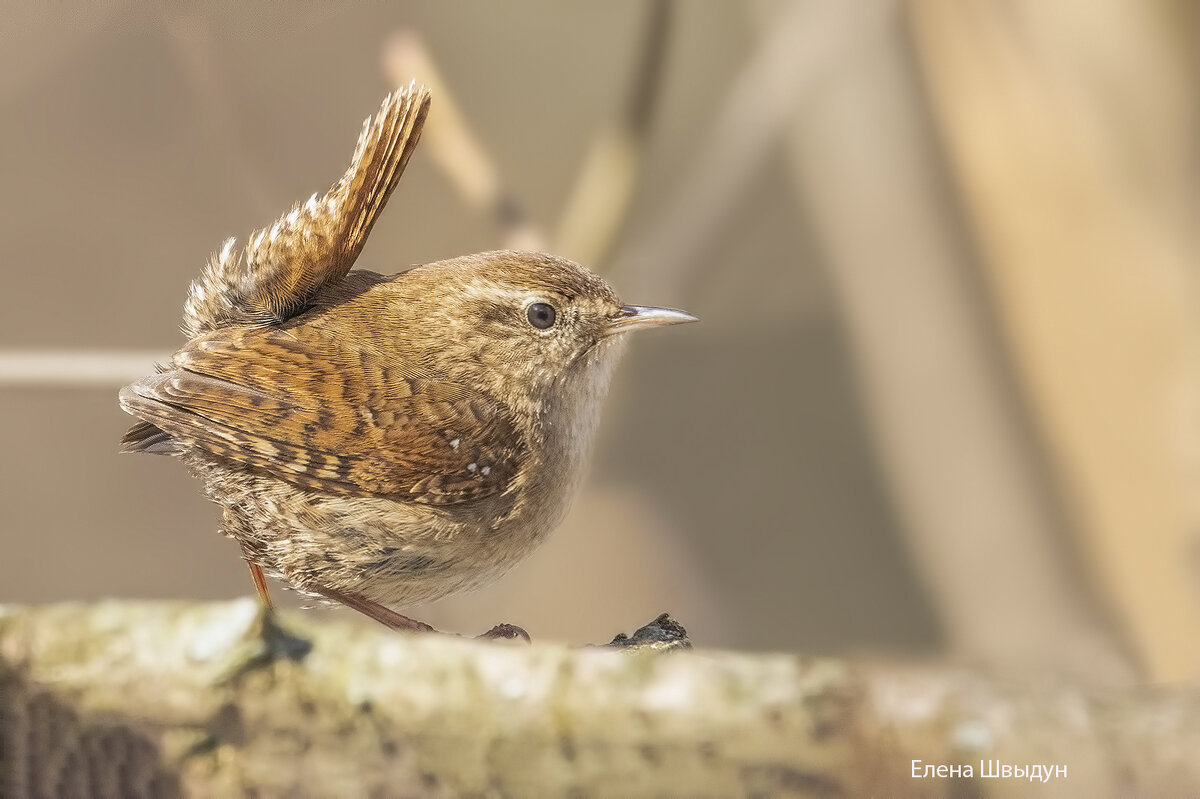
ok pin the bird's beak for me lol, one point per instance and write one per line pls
(636, 317)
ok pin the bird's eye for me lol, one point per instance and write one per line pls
(540, 315)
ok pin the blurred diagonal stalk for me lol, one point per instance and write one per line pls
(456, 149)
(1067, 128)
(800, 43)
(963, 473)
(76, 367)
(191, 42)
(595, 213)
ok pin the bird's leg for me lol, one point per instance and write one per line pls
(396, 621)
(385, 616)
(275, 641)
(260, 585)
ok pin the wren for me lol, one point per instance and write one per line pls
(384, 441)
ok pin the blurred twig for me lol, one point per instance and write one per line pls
(191, 40)
(796, 47)
(595, 214)
(76, 367)
(962, 469)
(599, 201)
(454, 147)
(1089, 268)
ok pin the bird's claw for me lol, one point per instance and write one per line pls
(505, 632)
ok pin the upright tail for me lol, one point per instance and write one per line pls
(279, 270)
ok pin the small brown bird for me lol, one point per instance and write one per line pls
(384, 441)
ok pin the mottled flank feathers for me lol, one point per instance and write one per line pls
(315, 411)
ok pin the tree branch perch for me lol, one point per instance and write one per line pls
(157, 699)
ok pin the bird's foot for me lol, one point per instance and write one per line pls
(505, 632)
(390, 618)
(662, 634)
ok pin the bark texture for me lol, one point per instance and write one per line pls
(158, 699)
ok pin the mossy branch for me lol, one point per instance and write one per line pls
(125, 699)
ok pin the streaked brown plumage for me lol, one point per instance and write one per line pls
(384, 441)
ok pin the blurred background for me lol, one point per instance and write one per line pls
(944, 401)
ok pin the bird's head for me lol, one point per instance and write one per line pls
(527, 327)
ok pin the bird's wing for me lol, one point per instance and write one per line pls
(279, 270)
(289, 407)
